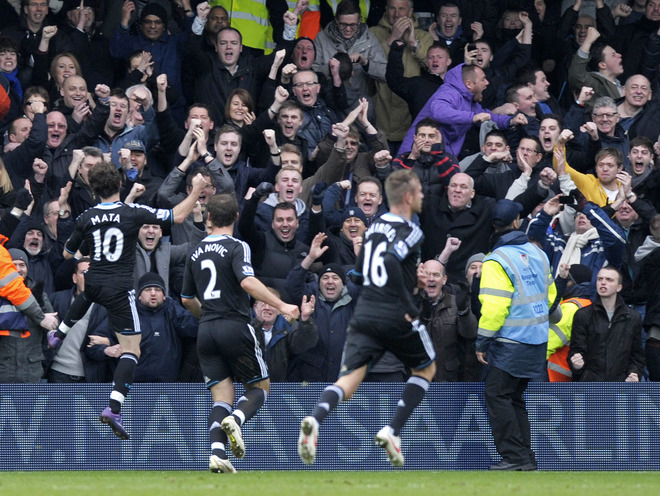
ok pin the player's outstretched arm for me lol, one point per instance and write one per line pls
(193, 306)
(183, 209)
(74, 242)
(255, 288)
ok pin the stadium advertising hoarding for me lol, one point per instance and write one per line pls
(574, 427)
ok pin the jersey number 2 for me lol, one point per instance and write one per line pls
(105, 245)
(210, 293)
(373, 266)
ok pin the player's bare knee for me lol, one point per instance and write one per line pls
(351, 381)
(348, 394)
(427, 372)
(223, 391)
(264, 384)
(133, 350)
(130, 344)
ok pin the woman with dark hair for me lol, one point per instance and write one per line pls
(9, 69)
(239, 113)
(239, 109)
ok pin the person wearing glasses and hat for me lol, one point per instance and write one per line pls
(346, 33)
(152, 36)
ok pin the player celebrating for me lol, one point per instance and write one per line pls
(111, 229)
(385, 318)
(218, 275)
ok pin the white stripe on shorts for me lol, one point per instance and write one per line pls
(426, 341)
(257, 352)
(134, 312)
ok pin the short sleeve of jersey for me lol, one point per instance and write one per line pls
(148, 215)
(409, 237)
(242, 261)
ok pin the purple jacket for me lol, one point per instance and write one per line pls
(452, 106)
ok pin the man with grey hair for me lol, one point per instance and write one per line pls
(637, 117)
(461, 214)
(452, 326)
(602, 131)
(135, 93)
(318, 118)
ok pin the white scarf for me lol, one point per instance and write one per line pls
(573, 249)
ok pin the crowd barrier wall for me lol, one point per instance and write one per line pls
(598, 426)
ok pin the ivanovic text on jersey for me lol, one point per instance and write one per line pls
(214, 273)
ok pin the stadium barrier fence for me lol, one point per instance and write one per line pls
(597, 426)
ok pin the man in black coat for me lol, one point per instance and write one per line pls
(230, 70)
(417, 90)
(68, 364)
(276, 252)
(605, 348)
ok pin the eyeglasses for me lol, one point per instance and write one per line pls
(609, 115)
(523, 149)
(305, 84)
(352, 25)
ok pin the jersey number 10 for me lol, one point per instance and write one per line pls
(104, 246)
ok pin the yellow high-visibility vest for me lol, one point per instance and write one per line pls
(250, 17)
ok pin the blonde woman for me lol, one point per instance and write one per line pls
(7, 193)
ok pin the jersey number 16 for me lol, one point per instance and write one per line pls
(373, 265)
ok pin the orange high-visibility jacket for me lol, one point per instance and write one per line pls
(559, 339)
(13, 289)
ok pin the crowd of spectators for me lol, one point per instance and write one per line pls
(553, 104)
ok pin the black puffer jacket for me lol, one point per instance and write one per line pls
(285, 343)
(450, 333)
(611, 349)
